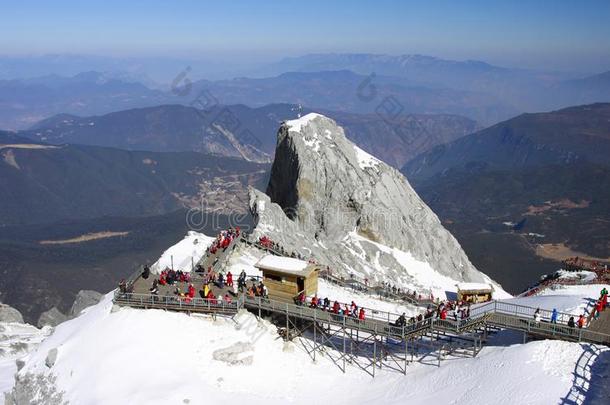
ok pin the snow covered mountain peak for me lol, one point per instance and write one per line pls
(297, 124)
(329, 199)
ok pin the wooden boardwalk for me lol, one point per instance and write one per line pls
(377, 323)
(602, 324)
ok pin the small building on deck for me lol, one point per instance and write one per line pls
(286, 277)
(474, 292)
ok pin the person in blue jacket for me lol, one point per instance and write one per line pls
(554, 316)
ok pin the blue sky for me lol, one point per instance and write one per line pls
(544, 34)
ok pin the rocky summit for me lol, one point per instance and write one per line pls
(330, 200)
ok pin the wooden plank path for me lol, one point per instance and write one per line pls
(377, 325)
(496, 313)
(602, 324)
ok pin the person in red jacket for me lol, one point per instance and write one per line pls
(230, 279)
(581, 321)
(212, 298)
(361, 314)
(336, 307)
(444, 313)
(191, 291)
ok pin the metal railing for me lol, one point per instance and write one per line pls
(372, 325)
(510, 316)
(498, 313)
(379, 324)
(178, 303)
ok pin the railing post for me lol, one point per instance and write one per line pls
(287, 326)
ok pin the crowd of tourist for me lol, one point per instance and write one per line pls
(337, 308)
(171, 277)
(266, 243)
(459, 310)
(223, 240)
(451, 310)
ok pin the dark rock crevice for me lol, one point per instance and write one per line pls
(282, 188)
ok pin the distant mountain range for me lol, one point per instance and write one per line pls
(356, 83)
(523, 89)
(548, 172)
(568, 136)
(236, 131)
(249, 133)
(24, 102)
(344, 90)
(420, 69)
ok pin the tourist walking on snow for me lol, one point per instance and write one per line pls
(554, 316)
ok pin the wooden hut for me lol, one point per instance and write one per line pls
(286, 277)
(474, 292)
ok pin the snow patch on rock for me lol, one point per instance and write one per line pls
(297, 125)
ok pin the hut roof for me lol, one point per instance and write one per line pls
(285, 265)
(474, 287)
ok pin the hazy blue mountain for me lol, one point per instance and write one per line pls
(574, 134)
(590, 89)
(345, 90)
(24, 102)
(525, 89)
(417, 68)
(149, 70)
(236, 131)
(241, 131)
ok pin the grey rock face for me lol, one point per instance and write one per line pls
(10, 314)
(35, 389)
(52, 317)
(84, 299)
(330, 200)
(51, 358)
(238, 354)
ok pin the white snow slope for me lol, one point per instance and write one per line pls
(184, 253)
(156, 357)
(130, 356)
